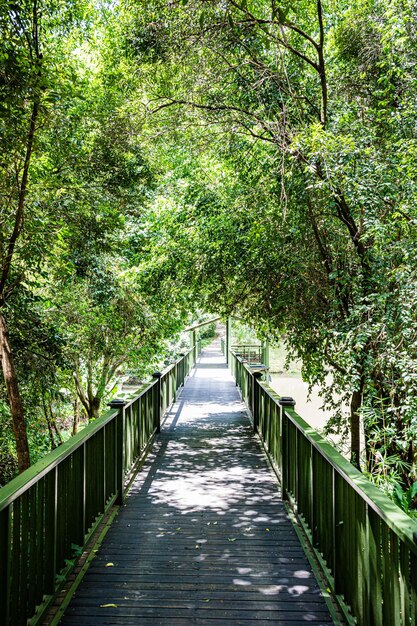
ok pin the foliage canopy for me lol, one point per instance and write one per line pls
(237, 156)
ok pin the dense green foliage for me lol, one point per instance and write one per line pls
(73, 180)
(292, 197)
(242, 156)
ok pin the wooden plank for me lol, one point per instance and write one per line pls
(204, 537)
(131, 599)
(228, 615)
(293, 586)
(5, 558)
(214, 594)
(405, 581)
(15, 561)
(375, 569)
(180, 582)
(190, 620)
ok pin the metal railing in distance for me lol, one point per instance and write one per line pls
(49, 512)
(365, 543)
(251, 353)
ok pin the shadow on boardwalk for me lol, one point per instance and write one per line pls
(204, 537)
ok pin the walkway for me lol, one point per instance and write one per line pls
(204, 538)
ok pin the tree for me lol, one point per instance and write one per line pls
(23, 80)
(332, 98)
(106, 325)
(67, 153)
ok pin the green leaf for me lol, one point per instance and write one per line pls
(413, 491)
(78, 550)
(398, 496)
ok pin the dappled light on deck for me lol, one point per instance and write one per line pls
(204, 537)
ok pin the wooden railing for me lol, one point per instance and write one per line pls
(364, 542)
(249, 352)
(50, 511)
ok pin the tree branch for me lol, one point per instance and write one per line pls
(282, 42)
(19, 215)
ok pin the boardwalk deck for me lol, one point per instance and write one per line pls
(204, 537)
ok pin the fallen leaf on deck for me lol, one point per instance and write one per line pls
(109, 565)
(109, 606)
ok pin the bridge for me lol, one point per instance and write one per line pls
(204, 499)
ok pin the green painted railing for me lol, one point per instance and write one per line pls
(50, 511)
(365, 543)
(251, 353)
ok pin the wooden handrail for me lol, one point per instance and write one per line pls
(365, 543)
(49, 512)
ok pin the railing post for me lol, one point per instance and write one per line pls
(283, 402)
(255, 399)
(157, 401)
(194, 345)
(51, 506)
(265, 353)
(228, 336)
(120, 447)
(182, 368)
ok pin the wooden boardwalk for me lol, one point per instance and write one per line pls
(204, 538)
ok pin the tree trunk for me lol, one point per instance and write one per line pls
(355, 430)
(55, 427)
(51, 434)
(48, 423)
(15, 402)
(369, 455)
(76, 420)
(94, 408)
